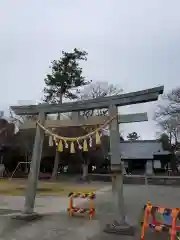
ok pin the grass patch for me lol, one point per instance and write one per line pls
(41, 189)
(45, 188)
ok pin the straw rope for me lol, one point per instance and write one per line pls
(72, 139)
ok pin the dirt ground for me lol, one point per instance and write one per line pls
(17, 187)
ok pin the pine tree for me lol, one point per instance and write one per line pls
(66, 76)
(64, 80)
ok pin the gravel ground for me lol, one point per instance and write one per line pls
(60, 226)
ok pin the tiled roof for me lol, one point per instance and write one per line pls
(141, 149)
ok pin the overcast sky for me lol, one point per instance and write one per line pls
(132, 43)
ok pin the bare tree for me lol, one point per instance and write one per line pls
(165, 140)
(167, 115)
(171, 127)
(133, 136)
(95, 90)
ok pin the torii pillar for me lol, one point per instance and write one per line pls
(35, 167)
(120, 225)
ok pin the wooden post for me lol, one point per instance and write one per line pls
(119, 226)
(75, 116)
(149, 168)
(35, 166)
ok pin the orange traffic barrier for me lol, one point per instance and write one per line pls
(170, 217)
(91, 210)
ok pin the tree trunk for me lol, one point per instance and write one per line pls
(170, 138)
(27, 163)
(1, 159)
(55, 168)
(57, 155)
(173, 163)
(84, 171)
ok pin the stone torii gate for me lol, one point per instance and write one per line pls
(120, 225)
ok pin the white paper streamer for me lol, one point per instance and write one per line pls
(79, 145)
(66, 145)
(50, 141)
(90, 141)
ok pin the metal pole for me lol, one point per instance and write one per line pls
(35, 166)
(119, 226)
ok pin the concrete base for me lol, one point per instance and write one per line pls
(120, 229)
(27, 216)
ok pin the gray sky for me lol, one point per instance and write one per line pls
(132, 43)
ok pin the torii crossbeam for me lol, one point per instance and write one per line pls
(142, 96)
(148, 95)
(91, 121)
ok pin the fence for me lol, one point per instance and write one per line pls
(168, 224)
(72, 209)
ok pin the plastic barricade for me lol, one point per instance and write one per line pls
(167, 223)
(72, 209)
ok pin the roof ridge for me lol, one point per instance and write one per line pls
(139, 141)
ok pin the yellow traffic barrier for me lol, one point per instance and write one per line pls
(72, 209)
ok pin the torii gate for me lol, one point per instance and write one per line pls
(112, 103)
